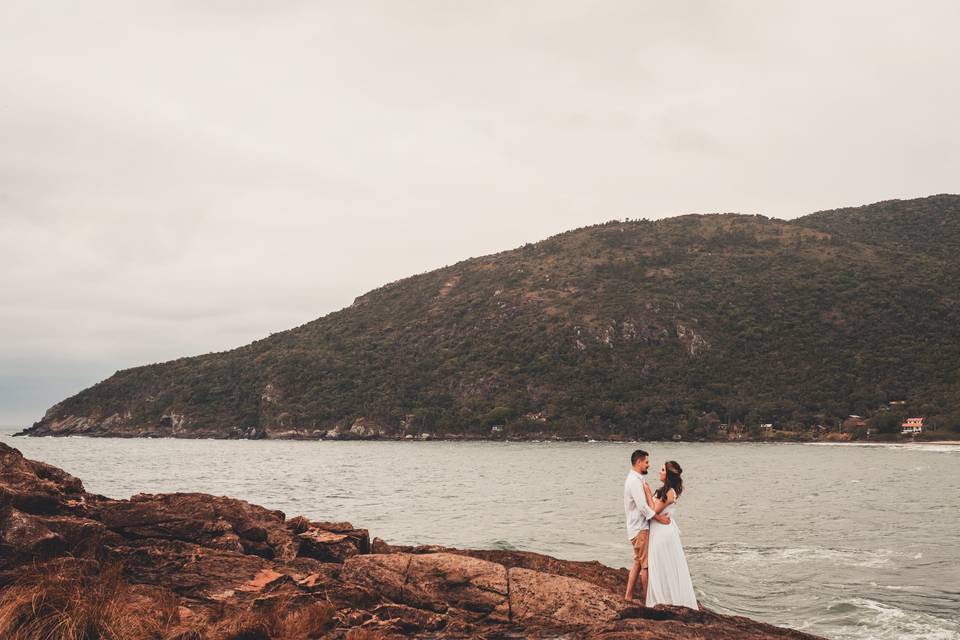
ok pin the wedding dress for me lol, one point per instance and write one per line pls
(668, 580)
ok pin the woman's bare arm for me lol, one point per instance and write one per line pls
(656, 505)
(661, 505)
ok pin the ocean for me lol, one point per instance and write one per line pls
(846, 541)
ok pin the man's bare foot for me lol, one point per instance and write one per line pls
(633, 601)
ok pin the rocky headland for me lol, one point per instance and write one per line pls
(690, 327)
(191, 566)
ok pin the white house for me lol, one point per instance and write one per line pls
(911, 426)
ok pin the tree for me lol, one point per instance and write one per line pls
(498, 416)
(887, 422)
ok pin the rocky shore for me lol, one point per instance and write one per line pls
(170, 426)
(191, 566)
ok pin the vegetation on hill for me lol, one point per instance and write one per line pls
(636, 328)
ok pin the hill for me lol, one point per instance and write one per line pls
(634, 328)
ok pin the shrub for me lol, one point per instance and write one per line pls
(72, 600)
(282, 621)
(68, 599)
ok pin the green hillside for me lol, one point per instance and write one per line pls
(637, 328)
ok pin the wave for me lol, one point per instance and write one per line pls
(744, 554)
(858, 618)
(899, 587)
(909, 446)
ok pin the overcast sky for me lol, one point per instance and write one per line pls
(184, 177)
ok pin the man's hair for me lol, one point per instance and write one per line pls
(639, 454)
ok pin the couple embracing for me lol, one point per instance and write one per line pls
(657, 553)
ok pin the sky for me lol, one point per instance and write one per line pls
(184, 177)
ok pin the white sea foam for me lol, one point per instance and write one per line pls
(887, 622)
(898, 587)
(742, 554)
(908, 446)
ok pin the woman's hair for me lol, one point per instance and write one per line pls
(674, 481)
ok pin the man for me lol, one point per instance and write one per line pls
(639, 514)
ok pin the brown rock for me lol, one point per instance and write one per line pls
(385, 575)
(679, 623)
(211, 521)
(264, 578)
(326, 546)
(551, 600)
(601, 575)
(408, 619)
(189, 570)
(614, 580)
(470, 584)
(24, 537)
(36, 487)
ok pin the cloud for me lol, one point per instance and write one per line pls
(182, 177)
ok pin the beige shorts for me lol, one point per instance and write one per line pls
(640, 546)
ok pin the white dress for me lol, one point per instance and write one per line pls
(668, 580)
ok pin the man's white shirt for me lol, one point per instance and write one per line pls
(639, 514)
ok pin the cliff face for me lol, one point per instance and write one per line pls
(640, 328)
(194, 566)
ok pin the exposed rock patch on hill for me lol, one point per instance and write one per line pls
(198, 566)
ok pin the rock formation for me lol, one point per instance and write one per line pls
(201, 566)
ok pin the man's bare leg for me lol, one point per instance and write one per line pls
(632, 581)
(643, 585)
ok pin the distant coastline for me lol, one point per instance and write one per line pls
(779, 438)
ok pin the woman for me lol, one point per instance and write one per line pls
(669, 578)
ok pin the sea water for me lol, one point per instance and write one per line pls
(846, 541)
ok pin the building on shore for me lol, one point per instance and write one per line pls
(853, 422)
(911, 426)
